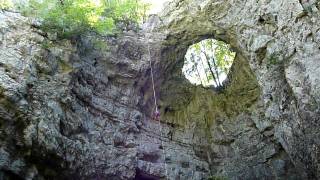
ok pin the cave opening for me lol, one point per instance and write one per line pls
(184, 96)
(208, 63)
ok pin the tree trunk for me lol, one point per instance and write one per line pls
(214, 63)
(194, 62)
(210, 68)
(216, 70)
(204, 69)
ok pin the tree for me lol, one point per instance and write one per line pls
(212, 69)
(224, 56)
(5, 4)
(197, 50)
(195, 67)
(215, 59)
(73, 17)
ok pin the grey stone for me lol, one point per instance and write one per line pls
(88, 111)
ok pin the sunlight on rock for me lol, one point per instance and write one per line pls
(155, 5)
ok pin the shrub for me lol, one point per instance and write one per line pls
(5, 4)
(72, 17)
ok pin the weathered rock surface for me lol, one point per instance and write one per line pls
(75, 109)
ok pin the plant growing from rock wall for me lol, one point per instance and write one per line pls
(272, 60)
(69, 18)
(217, 178)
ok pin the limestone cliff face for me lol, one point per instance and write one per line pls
(80, 108)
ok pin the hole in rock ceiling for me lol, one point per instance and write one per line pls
(208, 62)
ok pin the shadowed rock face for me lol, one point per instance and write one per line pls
(79, 110)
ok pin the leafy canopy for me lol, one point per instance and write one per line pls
(72, 17)
(5, 4)
(208, 62)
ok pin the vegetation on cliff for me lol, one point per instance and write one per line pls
(5, 4)
(68, 18)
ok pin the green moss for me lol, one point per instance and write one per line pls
(65, 67)
(204, 106)
(46, 44)
(272, 60)
(217, 178)
(100, 44)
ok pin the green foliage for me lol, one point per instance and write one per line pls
(47, 44)
(217, 178)
(224, 56)
(195, 104)
(272, 60)
(209, 61)
(73, 17)
(100, 45)
(5, 4)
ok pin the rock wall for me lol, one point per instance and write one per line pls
(280, 41)
(81, 108)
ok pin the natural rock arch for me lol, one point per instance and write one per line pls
(86, 110)
(258, 32)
